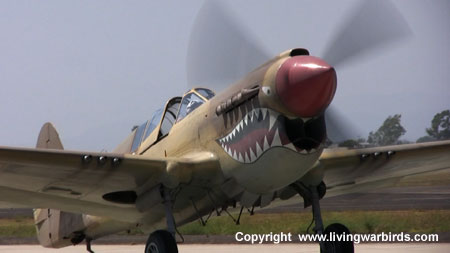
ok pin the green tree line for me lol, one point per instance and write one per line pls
(391, 130)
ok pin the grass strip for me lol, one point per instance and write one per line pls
(17, 227)
(410, 221)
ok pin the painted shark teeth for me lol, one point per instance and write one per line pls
(259, 150)
(290, 146)
(251, 153)
(266, 144)
(252, 156)
(272, 120)
(276, 139)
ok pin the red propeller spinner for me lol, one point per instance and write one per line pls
(306, 85)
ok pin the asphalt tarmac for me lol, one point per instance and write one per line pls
(398, 198)
(222, 248)
(401, 198)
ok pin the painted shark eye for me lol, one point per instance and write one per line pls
(266, 90)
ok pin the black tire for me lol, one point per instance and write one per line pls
(338, 246)
(161, 241)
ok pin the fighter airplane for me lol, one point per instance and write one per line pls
(260, 140)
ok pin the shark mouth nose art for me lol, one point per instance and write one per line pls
(262, 129)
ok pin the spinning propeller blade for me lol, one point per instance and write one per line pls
(220, 51)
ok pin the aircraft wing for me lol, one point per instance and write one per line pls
(77, 181)
(357, 170)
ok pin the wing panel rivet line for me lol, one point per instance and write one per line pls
(86, 158)
(390, 153)
(101, 159)
(115, 161)
(364, 156)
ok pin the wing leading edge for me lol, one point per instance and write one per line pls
(77, 181)
(347, 171)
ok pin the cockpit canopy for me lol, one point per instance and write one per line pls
(163, 119)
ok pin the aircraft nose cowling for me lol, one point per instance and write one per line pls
(306, 85)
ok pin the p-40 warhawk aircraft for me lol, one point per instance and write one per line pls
(260, 140)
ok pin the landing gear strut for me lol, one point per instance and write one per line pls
(163, 241)
(311, 196)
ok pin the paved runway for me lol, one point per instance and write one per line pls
(220, 248)
(399, 198)
(396, 198)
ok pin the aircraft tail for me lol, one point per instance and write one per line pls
(49, 137)
(55, 228)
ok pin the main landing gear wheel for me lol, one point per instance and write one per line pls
(161, 241)
(311, 195)
(337, 246)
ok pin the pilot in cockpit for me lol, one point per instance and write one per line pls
(193, 104)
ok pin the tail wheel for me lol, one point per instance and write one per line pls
(161, 241)
(338, 246)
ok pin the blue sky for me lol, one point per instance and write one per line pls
(96, 68)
